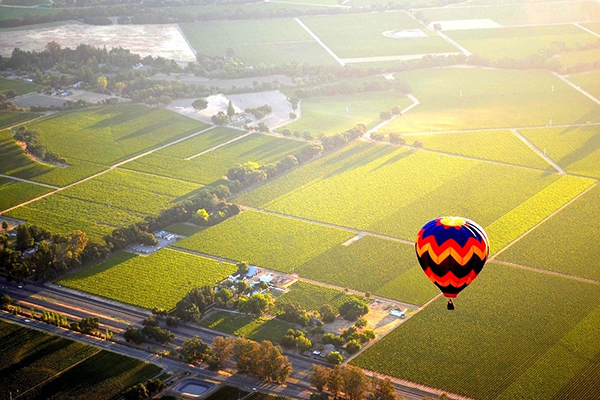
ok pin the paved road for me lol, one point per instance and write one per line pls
(117, 317)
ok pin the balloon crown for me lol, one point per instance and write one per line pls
(453, 221)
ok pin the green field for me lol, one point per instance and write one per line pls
(501, 146)
(112, 134)
(25, 2)
(576, 149)
(258, 329)
(266, 240)
(532, 211)
(14, 192)
(161, 279)
(19, 13)
(374, 265)
(17, 163)
(519, 42)
(340, 34)
(30, 357)
(529, 13)
(394, 191)
(334, 114)
(13, 118)
(589, 81)
(490, 99)
(312, 297)
(211, 167)
(515, 334)
(18, 86)
(118, 198)
(183, 229)
(272, 41)
(574, 60)
(565, 243)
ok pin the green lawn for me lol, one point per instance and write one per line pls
(256, 42)
(19, 86)
(266, 240)
(501, 146)
(515, 334)
(529, 13)
(8, 118)
(334, 114)
(211, 167)
(258, 329)
(158, 280)
(374, 265)
(575, 149)
(490, 99)
(112, 134)
(312, 297)
(519, 42)
(341, 34)
(116, 199)
(184, 229)
(395, 191)
(565, 243)
(14, 192)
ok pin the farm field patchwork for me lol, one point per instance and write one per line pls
(312, 297)
(340, 34)
(258, 329)
(519, 42)
(8, 118)
(575, 149)
(565, 243)
(473, 98)
(17, 163)
(265, 240)
(501, 146)
(395, 191)
(211, 167)
(329, 115)
(255, 42)
(111, 134)
(19, 86)
(97, 206)
(30, 357)
(528, 13)
(374, 265)
(14, 192)
(163, 278)
(515, 332)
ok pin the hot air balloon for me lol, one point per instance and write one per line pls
(452, 251)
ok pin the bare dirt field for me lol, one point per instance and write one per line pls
(154, 40)
(379, 320)
(44, 100)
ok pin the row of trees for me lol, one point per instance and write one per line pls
(351, 382)
(35, 147)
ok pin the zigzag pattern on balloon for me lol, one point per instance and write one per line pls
(439, 253)
(450, 278)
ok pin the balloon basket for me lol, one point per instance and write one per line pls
(450, 305)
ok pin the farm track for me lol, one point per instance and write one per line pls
(578, 88)
(440, 34)
(327, 224)
(499, 129)
(112, 167)
(319, 41)
(586, 29)
(415, 103)
(539, 152)
(28, 181)
(545, 271)
(218, 146)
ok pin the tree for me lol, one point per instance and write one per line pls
(134, 335)
(271, 364)
(4, 225)
(119, 86)
(200, 104)
(242, 286)
(353, 309)
(150, 321)
(291, 115)
(220, 118)
(138, 392)
(437, 27)
(230, 109)
(194, 350)
(355, 383)
(102, 82)
(327, 313)
(396, 110)
(383, 389)
(334, 358)
(385, 115)
(155, 385)
(257, 304)
(361, 322)
(335, 380)
(163, 336)
(201, 217)
(194, 303)
(318, 377)
(395, 138)
(353, 346)
(5, 300)
(242, 268)
(222, 296)
(418, 144)
(222, 349)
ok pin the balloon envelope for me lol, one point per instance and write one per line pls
(452, 251)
